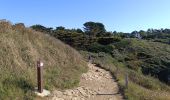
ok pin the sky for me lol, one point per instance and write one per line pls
(116, 15)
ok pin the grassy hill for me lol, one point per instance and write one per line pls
(145, 63)
(150, 58)
(20, 48)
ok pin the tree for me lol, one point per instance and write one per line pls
(60, 28)
(134, 33)
(79, 31)
(19, 26)
(94, 29)
(42, 28)
(143, 33)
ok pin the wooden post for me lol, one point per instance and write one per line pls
(116, 72)
(169, 79)
(126, 80)
(90, 59)
(40, 76)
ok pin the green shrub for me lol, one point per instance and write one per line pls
(100, 48)
(105, 40)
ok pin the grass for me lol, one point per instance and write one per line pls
(20, 48)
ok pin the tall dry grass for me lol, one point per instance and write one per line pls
(20, 48)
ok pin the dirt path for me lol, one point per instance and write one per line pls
(96, 84)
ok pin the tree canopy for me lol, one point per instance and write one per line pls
(94, 28)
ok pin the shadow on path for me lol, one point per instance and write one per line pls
(107, 94)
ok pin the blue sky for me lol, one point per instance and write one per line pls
(119, 15)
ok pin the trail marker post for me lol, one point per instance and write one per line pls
(90, 59)
(40, 76)
(116, 71)
(168, 79)
(39, 91)
(126, 80)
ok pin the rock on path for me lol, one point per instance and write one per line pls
(96, 84)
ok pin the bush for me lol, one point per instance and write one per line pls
(105, 40)
(100, 48)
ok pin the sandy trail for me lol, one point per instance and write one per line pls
(96, 84)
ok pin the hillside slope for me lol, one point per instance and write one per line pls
(20, 48)
(151, 58)
(144, 62)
